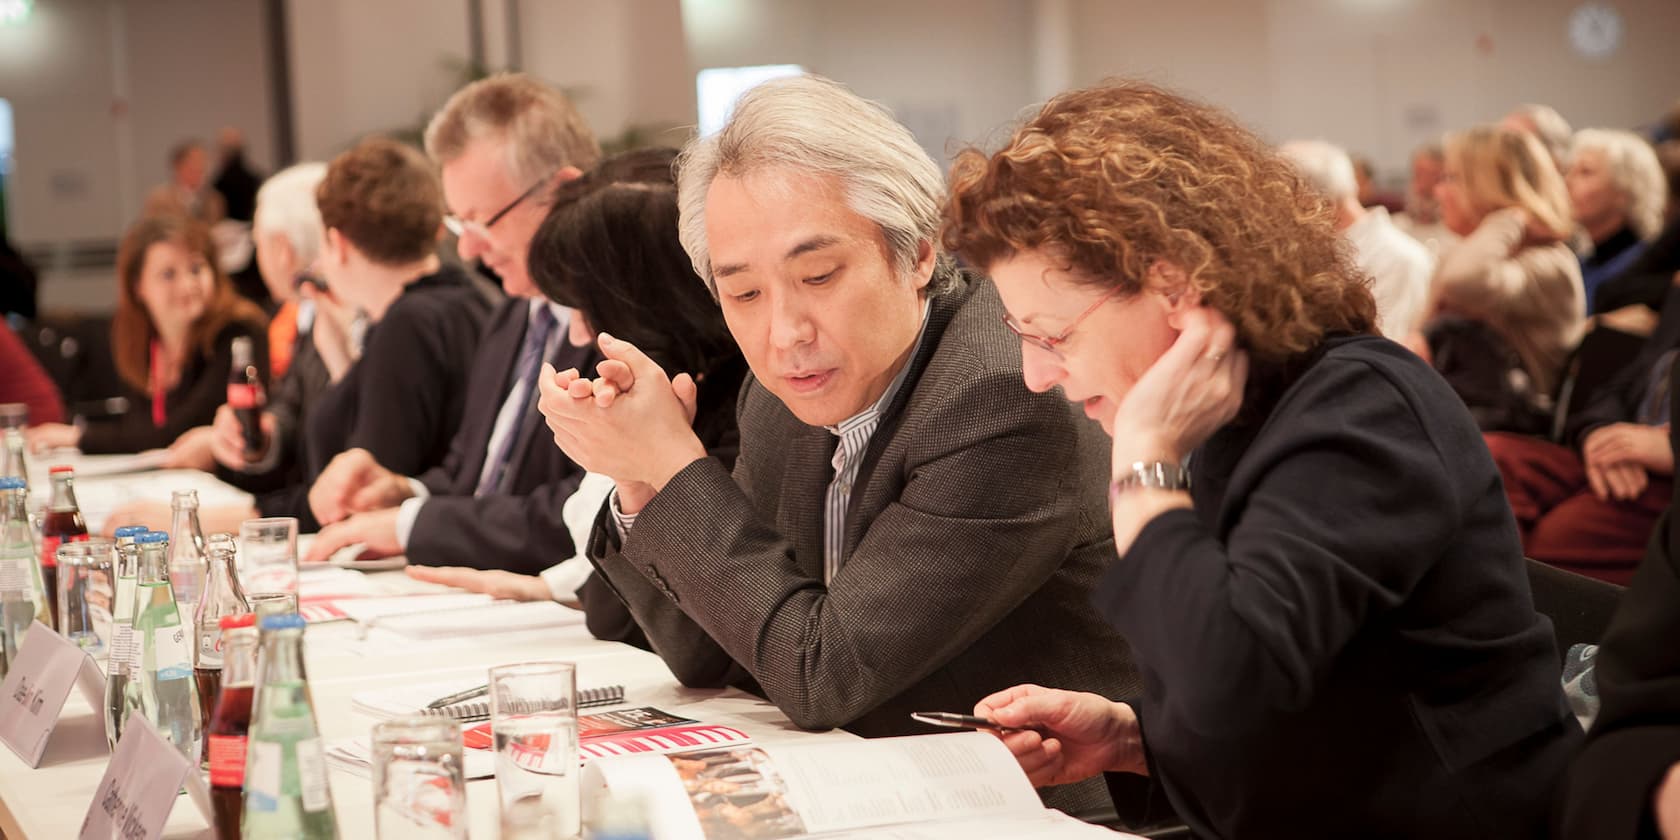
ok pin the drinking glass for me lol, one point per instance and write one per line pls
(533, 722)
(86, 589)
(419, 786)
(268, 549)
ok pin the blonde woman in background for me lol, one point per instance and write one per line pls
(1510, 305)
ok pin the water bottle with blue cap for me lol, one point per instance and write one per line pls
(286, 793)
(119, 698)
(164, 674)
(23, 593)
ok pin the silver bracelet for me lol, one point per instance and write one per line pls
(1158, 475)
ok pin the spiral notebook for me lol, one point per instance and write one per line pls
(479, 710)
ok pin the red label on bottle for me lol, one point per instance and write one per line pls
(49, 547)
(241, 395)
(227, 760)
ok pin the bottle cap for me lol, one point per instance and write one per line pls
(151, 537)
(62, 469)
(129, 531)
(283, 621)
(237, 620)
(12, 482)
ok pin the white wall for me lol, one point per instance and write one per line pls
(101, 90)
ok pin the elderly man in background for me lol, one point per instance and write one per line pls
(907, 527)
(1399, 266)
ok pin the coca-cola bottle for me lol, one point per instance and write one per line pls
(246, 397)
(62, 523)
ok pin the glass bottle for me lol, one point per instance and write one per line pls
(246, 397)
(286, 793)
(221, 597)
(120, 663)
(23, 597)
(164, 678)
(187, 564)
(15, 465)
(62, 523)
(230, 724)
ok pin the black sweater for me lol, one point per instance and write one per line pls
(1339, 640)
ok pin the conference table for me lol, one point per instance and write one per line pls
(343, 658)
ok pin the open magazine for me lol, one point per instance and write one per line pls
(921, 787)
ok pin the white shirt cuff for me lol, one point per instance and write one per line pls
(622, 522)
(565, 577)
(407, 512)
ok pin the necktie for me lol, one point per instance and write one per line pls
(530, 364)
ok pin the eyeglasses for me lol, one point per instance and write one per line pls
(1050, 343)
(461, 227)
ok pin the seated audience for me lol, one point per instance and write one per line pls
(1510, 305)
(1617, 192)
(906, 527)
(1398, 266)
(1422, 219)
(1625, 783)
(609, 251)
(403, 398)
(171, 340)
(23, 380)
(1646, 281)
(1543, 123)
(1329, 605)
(287, 235)
(497, 501)
(1588, 506)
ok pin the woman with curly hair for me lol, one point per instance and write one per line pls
(1318, 573)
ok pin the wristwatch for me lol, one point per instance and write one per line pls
(1159, 475)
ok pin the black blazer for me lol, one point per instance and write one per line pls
(1339, 639)
(191, 403)
(1636, 737)
(520, 530)
(403, 399)
(714, 424)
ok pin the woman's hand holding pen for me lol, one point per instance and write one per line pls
(1066, 736)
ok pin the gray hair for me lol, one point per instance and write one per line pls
(1325, 165)
(815, 125)
(543, 131)
(1635, 172)
(1549, 126)
(286, 205)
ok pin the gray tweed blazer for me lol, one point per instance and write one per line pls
(975, 534)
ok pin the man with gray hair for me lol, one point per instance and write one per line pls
(907, 527)
(1399, 266)
(503, 144)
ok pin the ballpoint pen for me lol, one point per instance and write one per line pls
(459, 696)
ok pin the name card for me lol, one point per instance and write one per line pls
(36, 686)
(141, 786)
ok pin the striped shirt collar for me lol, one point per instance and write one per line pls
(866, 420)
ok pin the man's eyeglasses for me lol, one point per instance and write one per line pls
(461, 227)
(1050, 343)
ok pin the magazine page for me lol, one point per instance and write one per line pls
(762, 793)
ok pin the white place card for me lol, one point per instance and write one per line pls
(36, 686)
(141, 786)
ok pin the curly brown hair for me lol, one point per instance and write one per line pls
(1116, 177)
(385, 198)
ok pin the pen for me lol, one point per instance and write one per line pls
(458, 696)
(956, 721)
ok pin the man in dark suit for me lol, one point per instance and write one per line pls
(907, 527)
(503, 144)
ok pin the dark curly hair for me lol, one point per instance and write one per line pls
(1116, 177)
